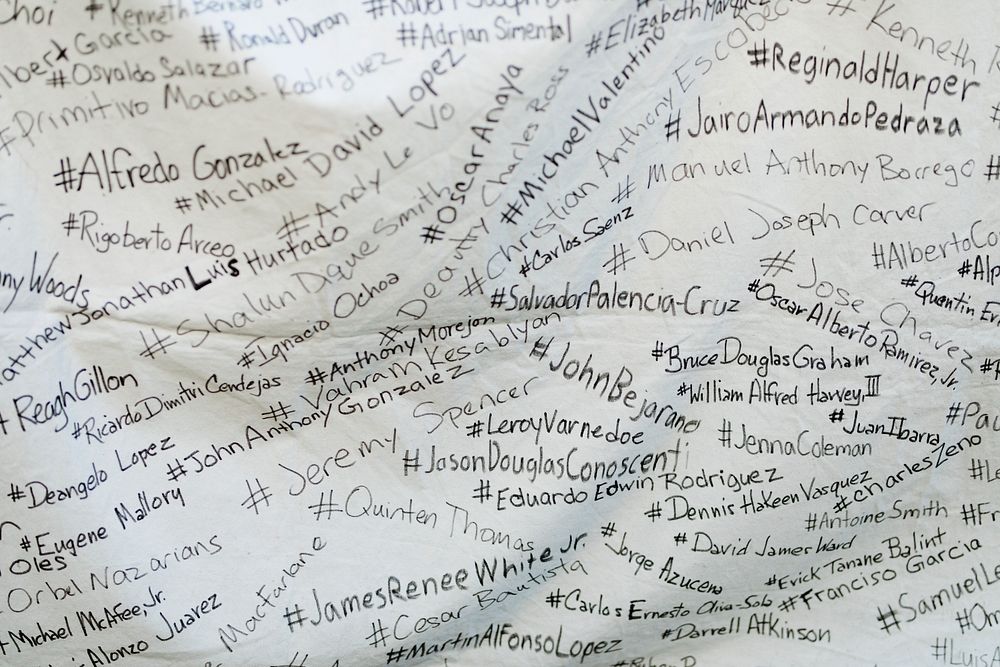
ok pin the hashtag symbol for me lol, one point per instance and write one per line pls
(176, 471)
(158, 346)
(511, 214)
(394, 655)
(811, 522)
(939, 648)
(278, 412)
(609, 529)
(658, 350)
(673, 127)
(836, 416)
(291, 663)
(985, 367)
(909, 281)
(432, 234)
(406, 34)
(290, 226)
(725, 433)
(969, 515)
(389, 335)
(843, 7)
(788, 604)
(525, 267)
(771, 581)
(758, 55)
(294, 617)
(25, 543)
(66, 175)
(953, 412)
(182, 204)
(878, 252)
(316, 376)
(619, 259)
(962, 617)
(555, 599)
(993, 168)
(209, 39)
(410, 462)
(996, 115)
(594, 43)
(257, 496)
(475, 284)
(683, 389)
(654, 512)
(474, 430)
(15, 493)
(754, 286)
(378, 634)
(496, 300)
(92, 9)
(680, 538)
(482, 492)
(624, 192)
(888, 619)
(246, 359)
(57, 80)
(374, 8)
(324, 506)
(840, 505)
(77, 430)
(69, 224)
(777, 263)
(540, 349)
(965, 268)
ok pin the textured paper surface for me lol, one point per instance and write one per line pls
(481, 332)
